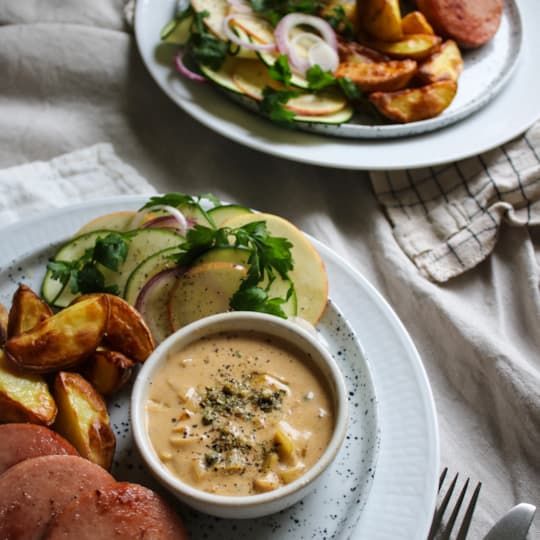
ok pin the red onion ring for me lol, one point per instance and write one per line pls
(323, 55)
(181, 67)
(299, 63)
(263, 47)
(287, 23)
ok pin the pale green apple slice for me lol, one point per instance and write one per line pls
(309, 274)
(117, 221)
(218, 10)
(204, 290)
(252, 77)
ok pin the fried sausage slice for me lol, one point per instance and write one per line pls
(33, 491)
(122, 511)
(470, 23)
(25, 441)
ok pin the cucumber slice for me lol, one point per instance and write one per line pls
(145, 271)
(52, 289)
(142, 244)
(224, 254)
(177, 31)
(202, 291)
(117, 221)
(223, 76)
(221, 213)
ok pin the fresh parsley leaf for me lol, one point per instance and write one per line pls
(280, 70)
(272, 105)
(351, 91)
(274, 10)
(206, 48)
(319, 79)
(269, 256)
(338, 20)
(111, 251)
(84, 275)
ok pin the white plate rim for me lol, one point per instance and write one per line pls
(403, 493)
(508, 115)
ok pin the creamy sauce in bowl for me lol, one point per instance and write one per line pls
(239, 413)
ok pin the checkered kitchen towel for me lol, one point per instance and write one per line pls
(447, 218)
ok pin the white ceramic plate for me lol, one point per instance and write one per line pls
(509, 111)
(385, 478)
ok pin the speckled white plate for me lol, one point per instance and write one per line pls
(390, 456)
(486, 71)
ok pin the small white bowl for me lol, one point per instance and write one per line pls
(250, 506)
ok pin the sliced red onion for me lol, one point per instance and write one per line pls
(323, 55)
(181, 67)
(292, 20)
(253, 46)
(299, 62)
(152, 300)
(179, 216)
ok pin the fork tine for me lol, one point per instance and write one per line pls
(455, 512)
(437, 518)
(464, 529)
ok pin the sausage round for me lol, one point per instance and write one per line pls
(122, 511)
(33, 491)
(22, 441)
(470, 23)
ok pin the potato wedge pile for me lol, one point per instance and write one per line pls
(407, 71)
(56, 369)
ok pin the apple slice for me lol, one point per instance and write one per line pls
(251, 77)
(217, 10)
(309, 274)
(117, 221)
(204, 290)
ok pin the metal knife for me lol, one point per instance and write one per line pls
(514, 525)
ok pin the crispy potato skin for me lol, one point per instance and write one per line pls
(415, 46)
(444, 64)
(413, 104)
(380, 18)
(24, 397)
(108, 371)
(4, 315)
(27, 311)
(63, 340)
(416, 23)
(352, 51)
(126, 331)
(83, 418)
(380, 76)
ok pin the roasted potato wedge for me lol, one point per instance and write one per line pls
(63, 340)
(380, 76)
(446, 63)
(415, 46)
(24, 397)
(351, 51)
(27, 311)
(413, 104)
(126, 330)
(83, 418)
(380, 18)
(4, 315)
(416, 23)
(108, 371)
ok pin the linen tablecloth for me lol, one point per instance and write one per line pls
(71, 77)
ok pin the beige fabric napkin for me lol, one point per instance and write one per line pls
(447, 218)
(90, 173)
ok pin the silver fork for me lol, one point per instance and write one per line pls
(442, 531)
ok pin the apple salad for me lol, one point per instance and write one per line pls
(318, 61)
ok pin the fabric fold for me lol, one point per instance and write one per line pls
(447, 218)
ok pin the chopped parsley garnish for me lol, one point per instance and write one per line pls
(206, 48)
(273, 105)
(280, 70)
(338, 20)
(84, 275)
(274, 10)
(269, 257)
